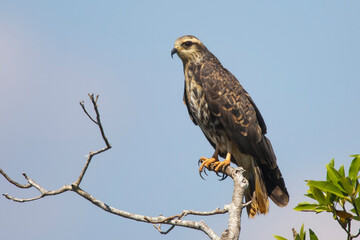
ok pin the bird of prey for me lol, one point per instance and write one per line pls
(231, 122)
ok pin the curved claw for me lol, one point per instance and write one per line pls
(201, 175)
(212, 164)
(205, 172)
(224, 176)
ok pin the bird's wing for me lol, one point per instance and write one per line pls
(237, 112)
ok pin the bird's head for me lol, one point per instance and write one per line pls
(189, 48)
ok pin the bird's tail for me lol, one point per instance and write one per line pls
(274, 182)
(275, 185)
(256, 193)
(264, 181)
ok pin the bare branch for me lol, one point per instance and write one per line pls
(185, 213)
(246, 204)
(94, 101)
(355, 236)
(83, 107)
(98, 122)
(234, 208)
(21, 199)
(141, 218)
(193, 212)
(158, 227)
(28, 185)
(43, 192)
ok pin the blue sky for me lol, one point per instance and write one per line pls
(299, 60)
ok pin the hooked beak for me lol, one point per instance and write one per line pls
(173, 51)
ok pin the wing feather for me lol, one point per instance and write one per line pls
(232, 105)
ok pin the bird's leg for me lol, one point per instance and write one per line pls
(218, 165)
(206, 162)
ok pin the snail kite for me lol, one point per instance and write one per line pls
(232, 123)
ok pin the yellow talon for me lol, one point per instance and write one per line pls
(206, 162)
(226, 162)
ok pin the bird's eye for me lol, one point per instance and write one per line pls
(187, 44)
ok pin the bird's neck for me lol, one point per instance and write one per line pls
(194, 64)
(191, 66)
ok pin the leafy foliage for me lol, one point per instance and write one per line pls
(335, 195)
(299, 236)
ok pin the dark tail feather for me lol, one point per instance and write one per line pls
(275, 186)
(273, 179)
(264, 183)
(265, 179)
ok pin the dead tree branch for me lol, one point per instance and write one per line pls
(234, 208)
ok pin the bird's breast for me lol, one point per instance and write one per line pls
(199, 109)
(196, 99)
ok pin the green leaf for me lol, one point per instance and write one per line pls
(319, 195)
(354, 168)
(302, 232)
(279, 237)
(330, 198)
(342, 171)
(353, 210)
(306, 206)
(332, 164)
(312, 235)
(322, 208)
(298, 237)
(310, 195)
(357, 205)
(347, 185)
(334, 176)
(326, 187)
(357, 190)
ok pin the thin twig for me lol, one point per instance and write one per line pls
(83, 107)
(28, 185)
(163, 232)
(22, 199)
(358, 234)
(349, 230)
(246, 204)
(344, 226)
(193, 212)
(94, 101)
(183, 214)
(99, 124)
(355, 208)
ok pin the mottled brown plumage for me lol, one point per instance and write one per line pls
(231, 122)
